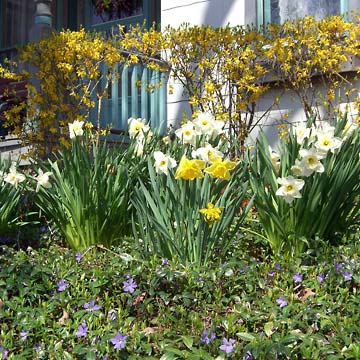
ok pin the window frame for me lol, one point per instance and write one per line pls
(263, 11)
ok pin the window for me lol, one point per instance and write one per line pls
(277, 11)
(125, 12)
(16, 18)
(17, 21)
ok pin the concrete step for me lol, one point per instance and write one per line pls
(12, 148)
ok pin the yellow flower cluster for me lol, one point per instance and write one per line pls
(302, 51)
(68, 70)
(221, 69)
(192, 169)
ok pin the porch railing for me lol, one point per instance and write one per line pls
(136, 92)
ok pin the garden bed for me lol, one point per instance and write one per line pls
(112, 304)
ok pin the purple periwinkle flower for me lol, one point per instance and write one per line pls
(271, 273)
(5, 353)
(347, 275)
(112, 315)
(244, 269)
(118, 341)
(92, 306)
(205, 338)
(227, 345)
(338, 266)
(82, 330)
(23, 335)
(37, 348)
(164, 262)
(277, 266)
(297, 278)
(129, 285)
(248, 356)
(281, 302)
(62, 285)
(321, 277)
(43, 229)
(78, 256)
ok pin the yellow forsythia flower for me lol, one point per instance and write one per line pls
(221, 169)
(211, 213)
(190, 169)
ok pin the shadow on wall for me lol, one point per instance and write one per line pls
(216, 14)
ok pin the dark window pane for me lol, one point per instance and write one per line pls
(17, 19)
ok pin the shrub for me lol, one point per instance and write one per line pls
(318, 169)
(86, 191)
(10, 197)
(193, 212)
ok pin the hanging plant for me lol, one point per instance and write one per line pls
(113, 8)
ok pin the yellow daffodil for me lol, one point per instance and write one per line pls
(221, 169)
(211, 213)
(190, 169)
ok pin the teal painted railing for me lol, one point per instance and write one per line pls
(135, 92)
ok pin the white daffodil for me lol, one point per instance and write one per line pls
(302, 132)
(76, 129)
(290, 188)
(137, 127)
(327, 142)
(349, 127)
(43, 179)
(275, 159)
(218, 127)
(163, 163)
(298, 169)
(311, 161)
(139, 147)
(187, 133)
(13, 177)
(325, 127)
(207, 153)
(204, 123)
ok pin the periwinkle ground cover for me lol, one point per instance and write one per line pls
(109, 304)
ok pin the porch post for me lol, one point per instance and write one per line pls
(42, 19)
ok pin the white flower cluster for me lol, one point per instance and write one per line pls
(14, 177)
(321, 141)
(204, 124)
(140, 130)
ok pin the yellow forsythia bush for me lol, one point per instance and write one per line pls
(224, 71)
(65, 73)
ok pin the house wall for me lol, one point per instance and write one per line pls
(220, 13)
(201, 12)
(289, 109)
(207, 12)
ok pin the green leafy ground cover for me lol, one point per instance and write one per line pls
(110, 304)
